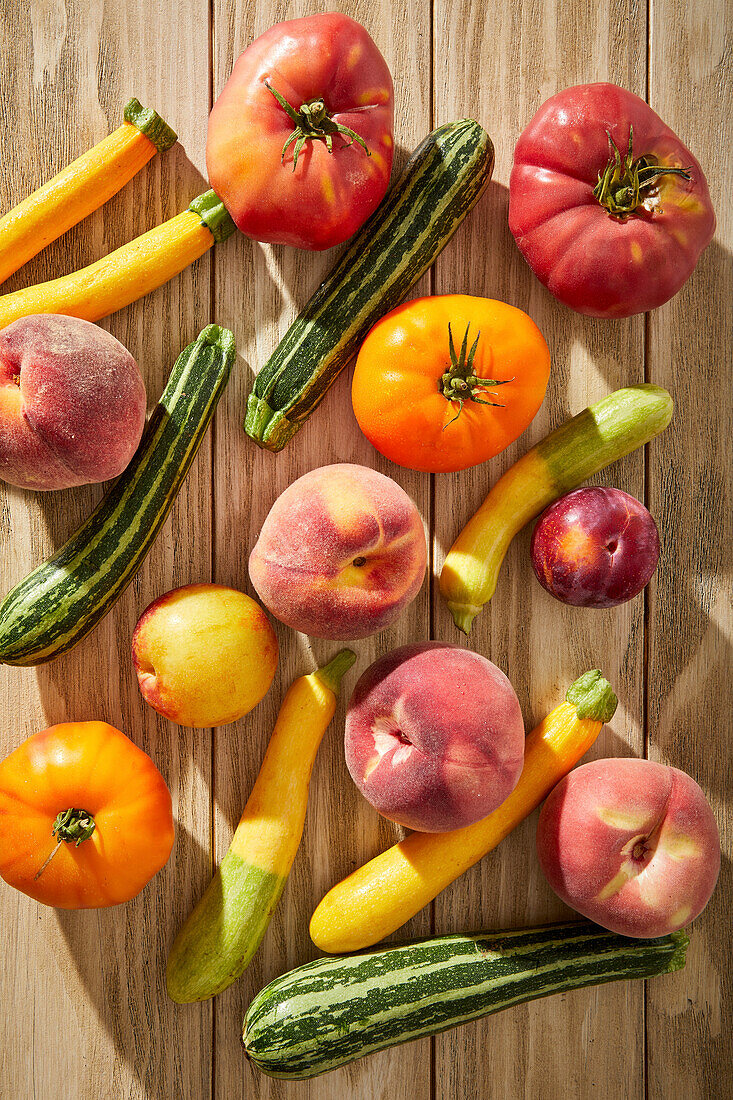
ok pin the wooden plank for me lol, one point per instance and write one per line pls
(89, 1012)
(690, 1044)
(259, 290)
(90, 1016)
(499, 70)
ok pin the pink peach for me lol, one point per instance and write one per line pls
(630, 844)
(341, 553)
(434, 736)
(72, 403)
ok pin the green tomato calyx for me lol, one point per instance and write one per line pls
(71, 826)
(625, 183)
(459, 383)
(313, 123)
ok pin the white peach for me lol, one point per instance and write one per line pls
(72, 403)
(204, 654)
(434, 736)
(341, 553)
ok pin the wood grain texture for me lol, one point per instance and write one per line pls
(95, 1020)
(690, 1042)
(259, 290)
(540, 644)
(86, 1011)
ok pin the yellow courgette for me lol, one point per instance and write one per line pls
(382, 895)
(223, 932)
(130, 272)
(83, 186)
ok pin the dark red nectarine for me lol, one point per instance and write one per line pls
(595, 547)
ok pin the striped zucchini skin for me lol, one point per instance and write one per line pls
(56, 605)
(334, 1010)
(442, 181)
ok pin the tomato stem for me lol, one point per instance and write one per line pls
(313, 122)
(624, 183)
(459, 383)
(71, 826)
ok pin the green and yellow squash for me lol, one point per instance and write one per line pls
(568, 456)
(223, 932)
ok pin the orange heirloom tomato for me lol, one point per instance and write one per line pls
(85, 817)
(444, 383)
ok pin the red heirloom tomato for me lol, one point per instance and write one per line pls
(446, 382)
(300, 140)
(85, 817)
(608, 207)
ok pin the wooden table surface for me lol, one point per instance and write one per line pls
(85, 1013)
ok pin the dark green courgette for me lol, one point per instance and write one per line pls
(442, 181)
(334, 1010)
(56, 605)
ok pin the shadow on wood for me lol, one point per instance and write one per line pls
(128, 992)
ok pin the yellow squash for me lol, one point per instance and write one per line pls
(382, 895)
(83, 186)
(131, 271)
(223, 932)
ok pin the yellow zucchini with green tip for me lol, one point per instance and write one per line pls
(223, 932)
(377, 898)
(578, 449)
(130, 272)
(82, 187)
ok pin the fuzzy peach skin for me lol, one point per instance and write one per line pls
(630, 844)
(341, 553)
(204, 654)
(434, 736)
(72, 403)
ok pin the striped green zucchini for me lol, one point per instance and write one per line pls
(57, 604)
(334, 1010)
(442, 181)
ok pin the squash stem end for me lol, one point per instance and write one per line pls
(330, 675)
(149, 123)
(214, 215)
(268, 428)
(593, 697)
